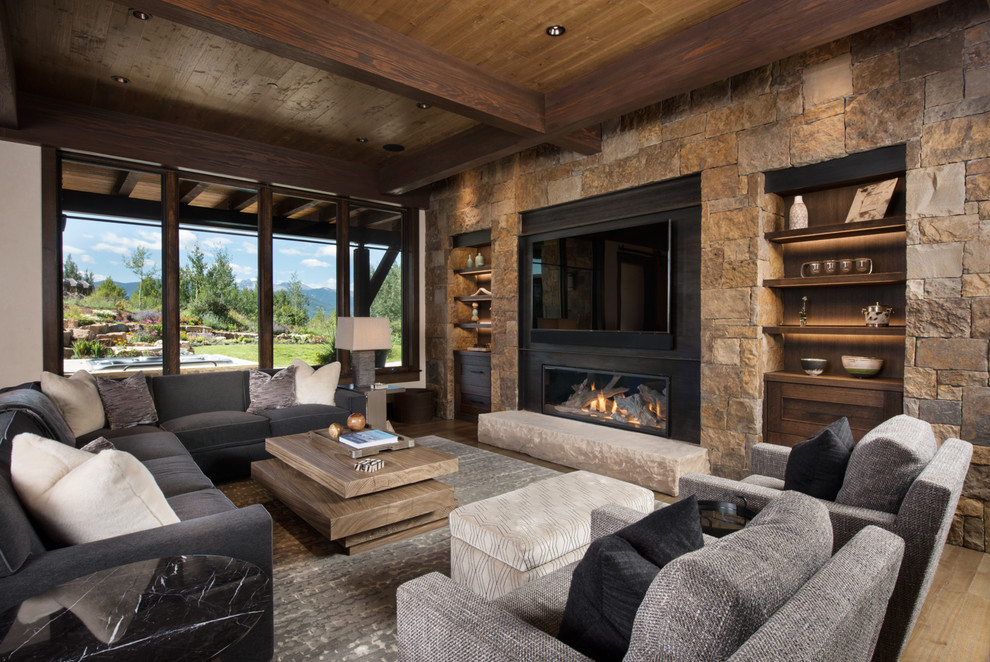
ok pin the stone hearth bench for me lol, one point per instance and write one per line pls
(643, 459)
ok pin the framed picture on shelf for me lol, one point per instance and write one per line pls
(871, 201)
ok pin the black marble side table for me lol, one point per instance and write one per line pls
(173, 609)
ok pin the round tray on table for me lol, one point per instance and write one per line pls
(720, 518)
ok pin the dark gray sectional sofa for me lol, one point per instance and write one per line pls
(204, 435)
(207, 413)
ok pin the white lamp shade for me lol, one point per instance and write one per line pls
(362, 333)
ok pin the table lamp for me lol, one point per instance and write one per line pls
(362, 336)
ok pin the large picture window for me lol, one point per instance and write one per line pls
(252, 273)
(111, 268)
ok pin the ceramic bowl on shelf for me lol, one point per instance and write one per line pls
(862, 366)
(813, 367)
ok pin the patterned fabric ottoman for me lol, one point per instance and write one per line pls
(499, 544)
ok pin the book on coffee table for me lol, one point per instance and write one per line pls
(368, 438)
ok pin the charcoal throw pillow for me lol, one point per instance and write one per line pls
(127, 402)
(272, 391)
(817, 465)
(609, 583)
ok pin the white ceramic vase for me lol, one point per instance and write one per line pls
(799, 214)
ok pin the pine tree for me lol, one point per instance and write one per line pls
(70, 269)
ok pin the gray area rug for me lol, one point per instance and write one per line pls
(329, 606)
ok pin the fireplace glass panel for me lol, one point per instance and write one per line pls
(623, 400)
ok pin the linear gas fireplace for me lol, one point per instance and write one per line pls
(618, 399)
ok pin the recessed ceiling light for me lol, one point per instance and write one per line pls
(392, 147)
(140, 15)
(361, 140)
(556, 30)
(422, 105)
(123, 80)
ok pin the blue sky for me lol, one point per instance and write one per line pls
(102, 247)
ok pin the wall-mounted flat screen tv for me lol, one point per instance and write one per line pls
(614, 279)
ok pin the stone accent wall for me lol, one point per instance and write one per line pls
(923, 81)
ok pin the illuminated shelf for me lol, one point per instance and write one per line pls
(477, 271)
(842, 279)
(858, 229)
(871, 383)
(837, 330)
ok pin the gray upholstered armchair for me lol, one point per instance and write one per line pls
(768, 592)
(922, 518)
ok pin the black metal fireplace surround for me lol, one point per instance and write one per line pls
(560, 330)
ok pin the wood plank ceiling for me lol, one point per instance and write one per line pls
(298, 82)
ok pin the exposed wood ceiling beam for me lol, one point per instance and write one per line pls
(89, 129)
(291, 206)
(469, 149)
(323, 36)
(126, 183)
(189, 191)
(241, 200)
(586, 141)
(748, 36)
(8, 86)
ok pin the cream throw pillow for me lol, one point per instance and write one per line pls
(316, 387)
(77, 398)
(79, 497)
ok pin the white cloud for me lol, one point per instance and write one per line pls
(242, 271)
(249, 247)
(114, 243)
(119, 250)
(291, 251)
(216, 243)
(327, 250)
(330, 283)
(187, 239)
(311, 263)
(86, 259)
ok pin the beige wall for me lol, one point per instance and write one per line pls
(922, 81)
(20, 263)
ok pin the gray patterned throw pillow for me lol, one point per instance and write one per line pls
(272, 392)
(97, 445)
(127, 402)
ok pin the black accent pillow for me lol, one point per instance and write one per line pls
(610, 581)
(817, 465)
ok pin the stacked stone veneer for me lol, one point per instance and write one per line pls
(923, 81)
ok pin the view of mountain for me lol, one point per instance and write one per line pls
(319, 297)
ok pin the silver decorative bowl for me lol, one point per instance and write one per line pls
(813, 367)
(862, 366)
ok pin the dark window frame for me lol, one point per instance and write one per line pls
(52, 303)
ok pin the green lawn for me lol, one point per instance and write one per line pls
(284, 352)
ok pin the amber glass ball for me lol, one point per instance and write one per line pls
(335, 430)
(356, 421)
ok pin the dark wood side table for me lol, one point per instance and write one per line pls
(171, 609)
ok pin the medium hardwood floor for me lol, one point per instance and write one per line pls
(954, 624)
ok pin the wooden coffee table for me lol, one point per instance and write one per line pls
(316, 479)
